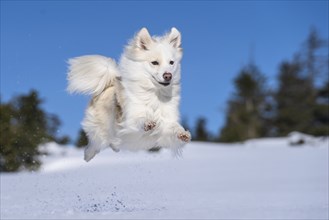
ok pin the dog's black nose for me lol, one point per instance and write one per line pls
(167, 76)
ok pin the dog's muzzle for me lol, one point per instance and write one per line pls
(165, 83)
(167, 77)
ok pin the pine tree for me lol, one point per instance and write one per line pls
(82, 140)
(316, 66)
(321, 112)
(201, 133)
(24, 125)
(245, 115)
(8, 161)
(299, 106)
(294, 100)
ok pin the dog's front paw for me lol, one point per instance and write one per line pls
(149, 125)
(184, 136)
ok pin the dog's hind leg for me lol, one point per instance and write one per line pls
(99, 123)
(95, 133)
(90, 152)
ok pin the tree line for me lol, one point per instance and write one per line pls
(299, 103)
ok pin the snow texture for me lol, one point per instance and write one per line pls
(258, 179)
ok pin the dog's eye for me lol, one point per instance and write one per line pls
(155, 62)
(171, 62)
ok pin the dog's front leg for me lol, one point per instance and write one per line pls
(149, 125)
(140, 122)
(174, 136)
(182, 134)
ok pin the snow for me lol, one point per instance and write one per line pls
(259, 179)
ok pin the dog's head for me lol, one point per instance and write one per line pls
(157, 57)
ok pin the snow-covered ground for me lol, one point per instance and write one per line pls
(258, 179)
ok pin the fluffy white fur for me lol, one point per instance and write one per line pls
(133, 106)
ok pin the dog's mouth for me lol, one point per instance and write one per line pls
(164, 83)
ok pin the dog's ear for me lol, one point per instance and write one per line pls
(174, 38)
(143, 39)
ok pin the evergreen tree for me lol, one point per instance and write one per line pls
(321, 112)
(201, 133)
(300, 103)
(294, 99)
(8, 159)
(246, 109)
(82, 140)
(316, 65)
(24, 125)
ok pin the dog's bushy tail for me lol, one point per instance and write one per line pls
(91, 74)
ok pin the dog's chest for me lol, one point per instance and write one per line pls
(160, 109)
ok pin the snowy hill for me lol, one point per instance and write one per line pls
(258, 179)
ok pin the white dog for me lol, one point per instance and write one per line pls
(134, 105)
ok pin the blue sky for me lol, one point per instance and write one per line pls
(219, 38)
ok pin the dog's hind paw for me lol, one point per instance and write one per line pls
(149, 125)
(90, 153)
(184, 136)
